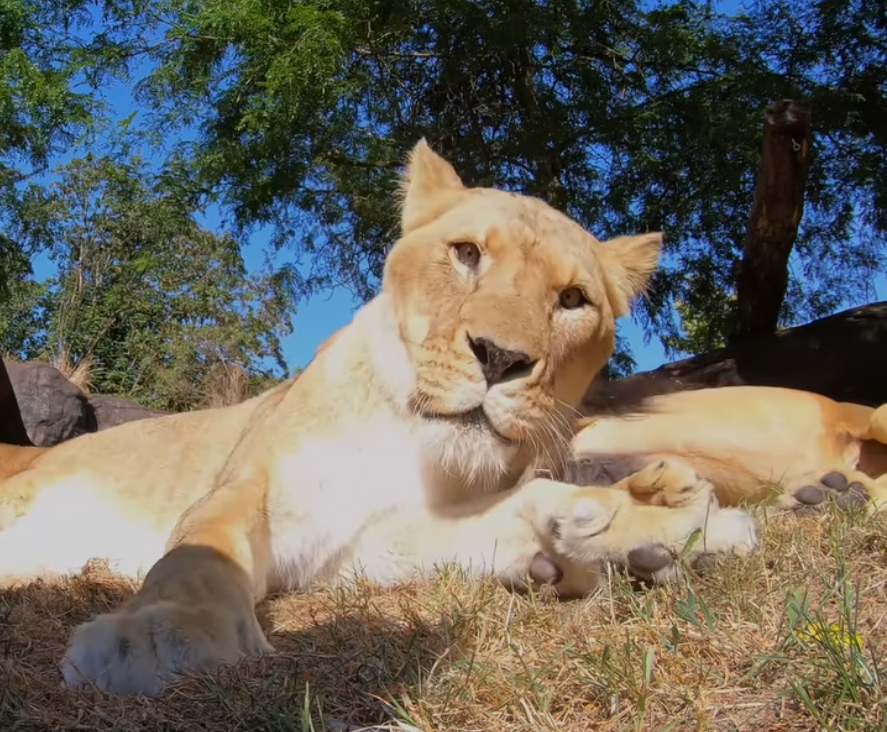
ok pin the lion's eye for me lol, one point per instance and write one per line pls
(468, 254)
(573, 298)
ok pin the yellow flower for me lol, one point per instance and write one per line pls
(833, 631)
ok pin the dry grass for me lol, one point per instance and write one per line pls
(225, 385)
(736, 648)
(80, 374)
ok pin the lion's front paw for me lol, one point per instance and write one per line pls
(580, 528)
(141, 651)
(674, 484)
(727, 530)
(580, 534)
(589, 527)
(574, 524)
(671, 483)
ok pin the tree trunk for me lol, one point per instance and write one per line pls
(12, 428)
(544, 153)
(762, 275)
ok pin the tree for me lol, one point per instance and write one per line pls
(628, 117)
(46, 69)
(153, 301)
(39, 109)
(160, 306)
(762, 273)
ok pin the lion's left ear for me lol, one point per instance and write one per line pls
(630, 261)
(426, 187)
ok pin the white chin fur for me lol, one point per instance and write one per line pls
(473, 453)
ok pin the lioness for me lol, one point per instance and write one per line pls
(398, 448)
(797, 450)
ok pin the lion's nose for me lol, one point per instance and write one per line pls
(500, 364)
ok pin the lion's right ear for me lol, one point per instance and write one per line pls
(425, 187)
(631, 261)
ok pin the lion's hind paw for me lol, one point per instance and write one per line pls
(847, 490)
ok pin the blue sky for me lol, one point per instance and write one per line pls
(319, 316)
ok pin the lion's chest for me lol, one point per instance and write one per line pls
(322, 495)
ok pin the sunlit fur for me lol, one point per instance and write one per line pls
(530, 253)
(754, 443)
(366, 462)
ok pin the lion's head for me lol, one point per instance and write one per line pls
(506, 309)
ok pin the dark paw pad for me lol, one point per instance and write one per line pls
(854, 494)
(834, 486)
(810, 495)
(544, 571)
(835, 480)
(645, 561)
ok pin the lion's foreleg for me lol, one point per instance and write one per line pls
(558, 533)
(195, 609)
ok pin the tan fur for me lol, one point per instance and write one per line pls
(367, 463)
(752, 442)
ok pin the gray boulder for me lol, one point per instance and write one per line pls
(110, 411)
(52, 408)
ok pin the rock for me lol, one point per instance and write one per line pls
(12, 428)
(843, 356)
(110, 411)
(52, 408)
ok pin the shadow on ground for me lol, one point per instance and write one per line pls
(343, 653)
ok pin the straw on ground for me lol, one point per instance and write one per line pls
(790, 638)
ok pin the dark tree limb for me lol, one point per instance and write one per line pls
(12, 428)
(762, 275)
